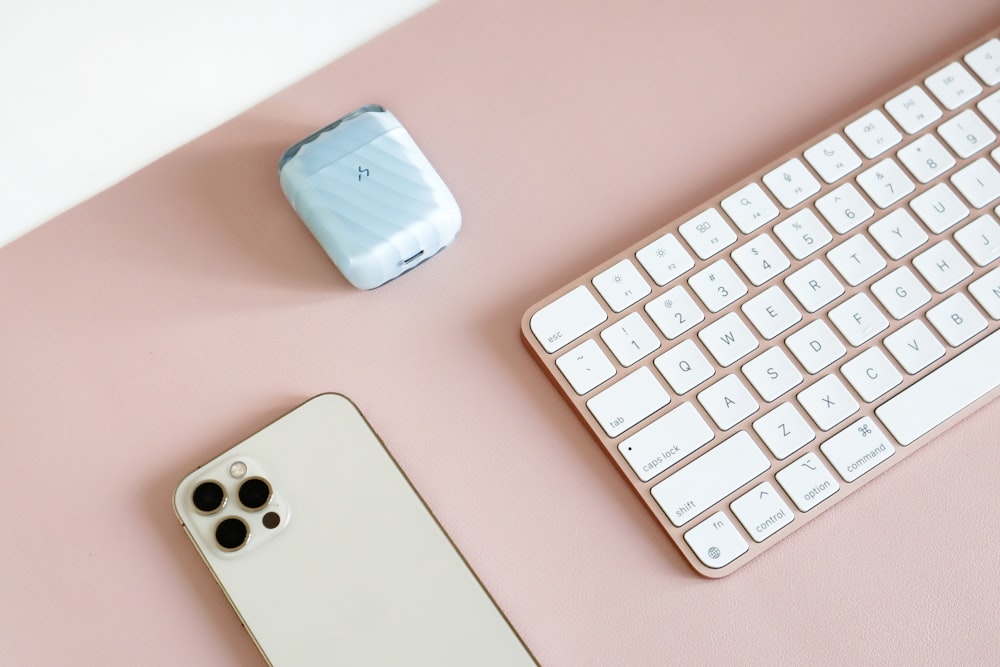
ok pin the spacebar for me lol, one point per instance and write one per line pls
(944, 392)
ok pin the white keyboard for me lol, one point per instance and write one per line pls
(753, 363)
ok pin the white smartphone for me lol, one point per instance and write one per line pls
(329, 555)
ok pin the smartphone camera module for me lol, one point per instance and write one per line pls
(254, 493)
(233, 507)
(232, 533)
(209, 497)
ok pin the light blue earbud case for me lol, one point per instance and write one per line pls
(369, 196)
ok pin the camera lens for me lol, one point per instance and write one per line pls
(231, 533)
(208, 497)
(254, 493)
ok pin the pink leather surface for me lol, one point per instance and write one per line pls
(157, 324)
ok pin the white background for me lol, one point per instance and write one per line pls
(92, 91)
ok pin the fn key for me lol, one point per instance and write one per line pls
(716, 541)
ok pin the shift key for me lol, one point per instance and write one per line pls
(710, 478)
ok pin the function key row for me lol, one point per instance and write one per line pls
(792, 183)
(761, 259)
(855, 260)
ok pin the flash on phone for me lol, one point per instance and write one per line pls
(370, 197)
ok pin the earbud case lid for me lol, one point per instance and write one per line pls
(370, 197)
